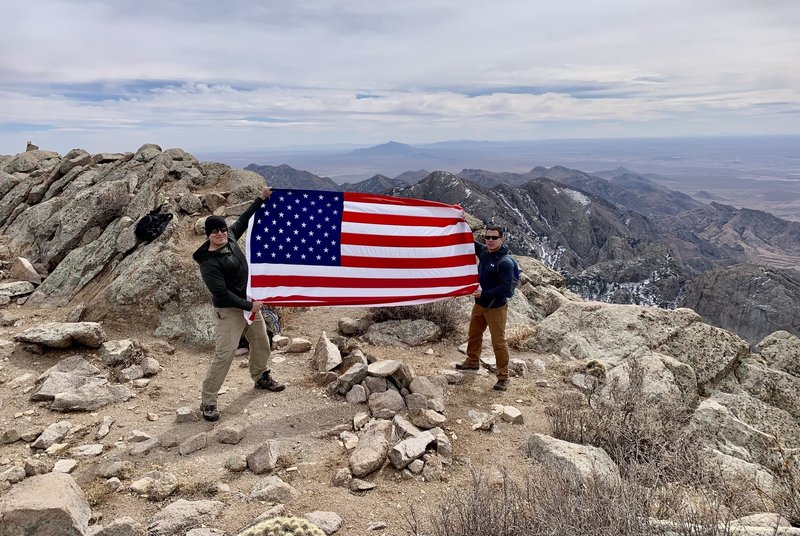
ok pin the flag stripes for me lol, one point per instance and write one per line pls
(327, 248)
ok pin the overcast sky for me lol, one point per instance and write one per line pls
(209, 75)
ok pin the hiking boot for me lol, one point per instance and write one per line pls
(464, 366)
(501, 385)
(267, 382)
(209, 412)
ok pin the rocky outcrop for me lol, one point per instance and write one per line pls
(75, 215)
(613, 333)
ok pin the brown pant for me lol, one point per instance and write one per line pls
(229, 324)
(495, 320)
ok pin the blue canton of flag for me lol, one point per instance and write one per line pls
(298, 227)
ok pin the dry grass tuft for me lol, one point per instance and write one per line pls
(549, 502)
(517, 337)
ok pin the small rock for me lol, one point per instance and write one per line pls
(114, 484)
(105, 427)
(231, 434)
(65, 466)
(237, 463)
(186, 414)
(357, 484)
(193, 444)
(143, 447)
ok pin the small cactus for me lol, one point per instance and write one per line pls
(283, 526)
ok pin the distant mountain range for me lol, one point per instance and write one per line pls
(621, 238)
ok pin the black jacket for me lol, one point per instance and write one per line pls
(496, 283)
(224, 271)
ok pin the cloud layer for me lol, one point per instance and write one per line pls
(207, 75)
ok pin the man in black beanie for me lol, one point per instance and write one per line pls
(223, 266)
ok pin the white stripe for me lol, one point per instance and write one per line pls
(400, 301)
(403, 230)
(337, 292)
(388, 252)
(388, 209)
(342, 271)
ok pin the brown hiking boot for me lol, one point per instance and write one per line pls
(465, 366)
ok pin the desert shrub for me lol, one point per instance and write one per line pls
(443, 313)
(516, 337)
(654, 446)
(632, 429)
(550, 502)
(787, 498)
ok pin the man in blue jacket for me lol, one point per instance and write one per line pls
(496, 286)
(223, 266)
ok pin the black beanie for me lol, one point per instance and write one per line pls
(215, 222)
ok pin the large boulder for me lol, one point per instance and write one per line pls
(45, 505)
(64, 334)
(581, 462)
(612, 333)
(781, 351)
(371, 450)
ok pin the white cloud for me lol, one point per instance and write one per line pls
(208, 75)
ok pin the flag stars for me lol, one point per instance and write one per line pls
(304, 223)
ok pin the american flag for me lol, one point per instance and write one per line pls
(309, 247)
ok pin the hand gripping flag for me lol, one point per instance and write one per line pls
(308, 247)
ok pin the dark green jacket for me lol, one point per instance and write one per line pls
(224, 271)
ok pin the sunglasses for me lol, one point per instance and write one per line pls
(487, 237)
(219, 231)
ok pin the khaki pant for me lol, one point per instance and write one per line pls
(495, 320)
(229, 324)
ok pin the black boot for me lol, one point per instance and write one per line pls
(267, 382)
(209, 412)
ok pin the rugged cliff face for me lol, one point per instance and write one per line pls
(751, 300)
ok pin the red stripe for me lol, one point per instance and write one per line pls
(266, 281)
(356, 197)
(357, 239)
(299, 300)
(388, 262)
(398, 219)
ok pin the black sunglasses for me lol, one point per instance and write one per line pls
(487, 237)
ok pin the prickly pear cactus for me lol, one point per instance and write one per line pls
(283, 526)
